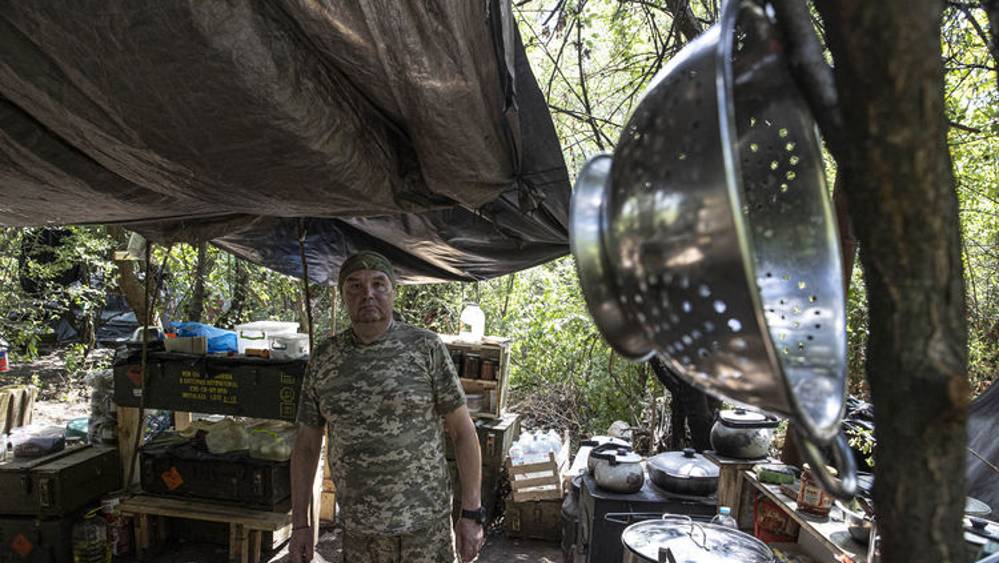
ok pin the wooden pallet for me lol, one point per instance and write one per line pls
(539, 481)
(245, 525)
(16, 405)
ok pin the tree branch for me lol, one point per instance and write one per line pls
(961, 127)
(582, 86)
(811, 72)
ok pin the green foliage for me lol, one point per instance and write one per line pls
(593, 60)
(863, 441)
(45, 275)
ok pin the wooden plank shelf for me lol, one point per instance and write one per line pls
(245, 526)
(831, 534)
(493, 349)
(483, 383)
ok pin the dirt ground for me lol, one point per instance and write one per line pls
(498, 549)
(63, 397)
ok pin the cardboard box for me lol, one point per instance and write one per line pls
(187, 344)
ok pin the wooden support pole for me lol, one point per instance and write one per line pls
(181, 420)
(128, 426)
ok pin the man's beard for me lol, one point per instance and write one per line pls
(370, 314)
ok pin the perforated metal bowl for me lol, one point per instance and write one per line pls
(711, 238)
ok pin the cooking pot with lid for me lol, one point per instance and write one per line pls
(743, 434)
(596, 443)
(679, 539)
(685, 473)
(709, 238)
(618, 469)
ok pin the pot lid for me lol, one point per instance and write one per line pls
(745, 418)
(616, 454)
(691, 541)
(593, 441)
(975, 507)
(687, 464)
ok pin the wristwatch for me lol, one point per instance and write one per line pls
(478, 515)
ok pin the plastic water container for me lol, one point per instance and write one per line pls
(90, 540)
(257, 335)
(516, 454)
(724, 518)
(473, 323)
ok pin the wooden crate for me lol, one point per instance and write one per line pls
(16, 405)
(540, 481)
(246, 527)
(493, 348)
(536, 519)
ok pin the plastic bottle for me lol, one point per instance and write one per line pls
(530, 445)
(554, 442)
(724, 518)
(516, 454)
(90, 540)
(119, 539)
(473, 323)
(4, 363)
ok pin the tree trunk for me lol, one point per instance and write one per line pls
(685, 19)
(196, 308)
(992, 9)
(240, 293)
(897, 176)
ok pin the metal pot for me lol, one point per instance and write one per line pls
(618, 469)
(743, 434)
(687, 541)
(685, 473)
(590, 445)
(711, 239)
(857, 523)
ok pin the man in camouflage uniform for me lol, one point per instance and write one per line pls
(386, 387)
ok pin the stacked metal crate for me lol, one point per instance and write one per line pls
(42, 498)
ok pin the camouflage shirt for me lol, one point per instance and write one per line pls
(385, 402)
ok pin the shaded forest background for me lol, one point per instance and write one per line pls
(593, 60)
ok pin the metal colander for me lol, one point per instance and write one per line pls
(711, 239)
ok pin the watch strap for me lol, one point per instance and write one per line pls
(478, 515)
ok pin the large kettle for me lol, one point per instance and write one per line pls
(711, 240)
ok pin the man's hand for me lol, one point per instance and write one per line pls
(468, 538)
(300, 547)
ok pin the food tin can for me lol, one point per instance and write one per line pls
(812, 498)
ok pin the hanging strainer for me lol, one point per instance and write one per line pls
(711, 239)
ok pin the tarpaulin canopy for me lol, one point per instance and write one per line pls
(413, 128)
(983, 419)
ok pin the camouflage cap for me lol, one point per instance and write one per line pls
(365, 260)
